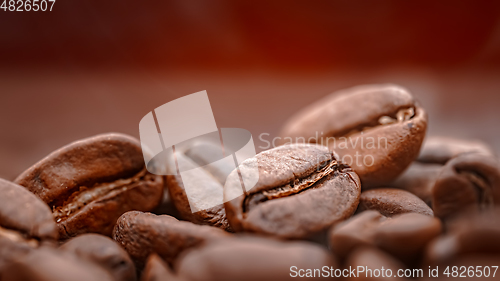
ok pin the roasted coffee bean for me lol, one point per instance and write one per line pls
(422, 174)
(142, 234)
(157, 270)
(419, 179)
(209, 178)
(390, 202)
(25, 222)
(468, 182)
(376, 129)
(251, 258)
(468, 234)
(375, 264)
(302, 190)
(439, 149)
(370, 228)
(51, 265)
(91, 182)
(103, 251)
(358, 231)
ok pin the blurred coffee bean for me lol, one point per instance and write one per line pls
(468, 182)
(157, 270)
(375, 264)
(25, 222)
(419, 179)
(52, 265)
(302, 190)
(252, 258)
(390, 202)
(469, 234)
(439, 150)
(91, 182)
(105, 252)
(142, 234)
(355, 232)
(392, 235)
(208, 178)
(376, 129)
(406, 236)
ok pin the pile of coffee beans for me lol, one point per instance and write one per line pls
(353, 186)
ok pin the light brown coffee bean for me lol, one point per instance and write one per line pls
(103, 251)
(142, 234)
(390, 202)
(91, 182)
(439, 150)
(419, 179)
(468, 182)
(375, 265)
(251, 258)
(376, 129)
(157, 270)
(302, 190)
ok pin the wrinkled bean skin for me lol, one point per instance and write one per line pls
(91, 182)
(468, 182)
(380, 124)
(25, 222)
(104, 251)
(390, 202)
(332, 197)
(142, 234)
(250, 258)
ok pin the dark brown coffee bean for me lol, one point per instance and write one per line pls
(157, 270)
(209, 178)
(376, 129)
(419, 179)
(142, 234)
(90, 183)
(103, 251)
(252, 258)
(302, 189)
(469, 234)
(439, 150)
(51, 265)
(355, 232)
(468, 182)
(25, 222)
(375, 264)
(390, 202)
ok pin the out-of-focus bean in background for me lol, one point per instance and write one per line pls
(90, 67)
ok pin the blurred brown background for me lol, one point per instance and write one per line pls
(91, 66)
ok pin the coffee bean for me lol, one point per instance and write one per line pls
(157, 270)
(48, 264)
(302, 189)
(439, 149)
(142, 234)
(91, 182)
(419, 179)
(375, 260)
(25, 222)
(390, 202)
(251, 258)
(355, 232)
(376, 129)
(467, 235)
(103, 251)
(468, 182)
(208, 178)
(370, 228)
